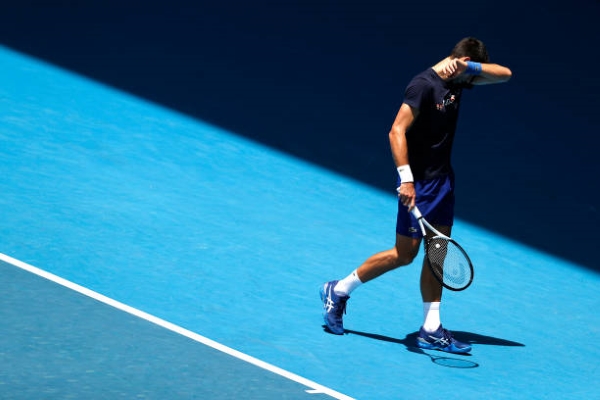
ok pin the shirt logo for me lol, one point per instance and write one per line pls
(449, 101)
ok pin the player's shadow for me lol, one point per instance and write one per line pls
(450, 361)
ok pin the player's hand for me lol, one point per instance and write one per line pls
(407, 195)
(453, 68)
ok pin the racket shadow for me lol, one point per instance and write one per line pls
(449, 361)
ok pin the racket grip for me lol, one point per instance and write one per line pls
(415, 211)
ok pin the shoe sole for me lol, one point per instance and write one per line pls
(427, 346)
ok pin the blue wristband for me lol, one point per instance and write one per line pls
(473, 68)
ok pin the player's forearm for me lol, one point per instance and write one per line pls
(492, 73)
(406, 190)
(400, 154)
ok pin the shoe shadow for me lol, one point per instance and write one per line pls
(459, 361)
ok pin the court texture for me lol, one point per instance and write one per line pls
(149, 254)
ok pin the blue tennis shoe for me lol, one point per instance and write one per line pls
(334, 307)
(442, 340)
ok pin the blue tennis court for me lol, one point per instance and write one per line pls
(62, 344)
(150, 254)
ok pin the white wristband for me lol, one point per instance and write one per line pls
(405, 174)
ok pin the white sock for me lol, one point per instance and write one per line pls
(431, 314)
(347, 285)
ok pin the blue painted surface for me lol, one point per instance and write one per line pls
(59, 344)
(232, 239)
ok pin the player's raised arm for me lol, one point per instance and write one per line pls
(469, 62)
(476, 73)
(492, 73)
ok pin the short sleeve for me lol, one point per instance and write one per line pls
(417, 93)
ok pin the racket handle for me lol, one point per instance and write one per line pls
(415, 211)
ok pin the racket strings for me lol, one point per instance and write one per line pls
(448, 262)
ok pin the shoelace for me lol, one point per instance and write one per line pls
(447, 335)
(339, 307)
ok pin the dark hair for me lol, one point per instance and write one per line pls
(472, 48)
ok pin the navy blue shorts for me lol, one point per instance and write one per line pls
(435, 199)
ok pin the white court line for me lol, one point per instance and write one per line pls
(314, 387)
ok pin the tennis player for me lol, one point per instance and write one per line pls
(421, 140)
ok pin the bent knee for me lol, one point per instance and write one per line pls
(405, 259)
(406, 251)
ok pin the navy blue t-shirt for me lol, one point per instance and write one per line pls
(431, 135)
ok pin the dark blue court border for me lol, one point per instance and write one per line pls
(59, 344)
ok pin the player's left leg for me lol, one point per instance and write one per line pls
(335, 294)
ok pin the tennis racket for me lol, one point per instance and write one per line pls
(448, 261)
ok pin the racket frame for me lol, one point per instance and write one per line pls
(422, 224)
